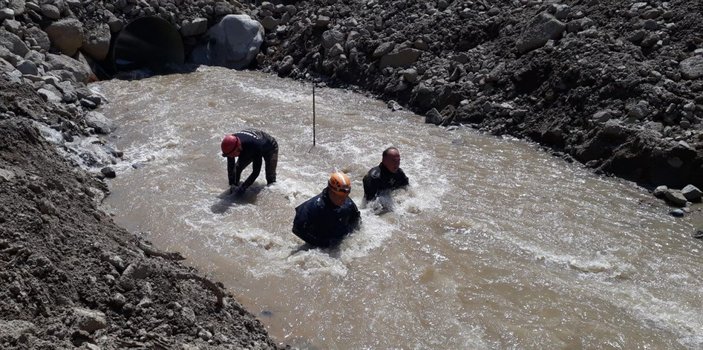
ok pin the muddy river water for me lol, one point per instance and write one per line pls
(495, 244)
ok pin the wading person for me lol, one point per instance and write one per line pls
(324, 220)
(250, 146)
(386, 176)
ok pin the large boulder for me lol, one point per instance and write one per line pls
(234, 42)
(692, 67)
(66, 35)
(79, 71)
(401, 58)
(96, 42)
(541, 29)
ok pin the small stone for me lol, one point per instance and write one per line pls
(108, 172)
(677, 213)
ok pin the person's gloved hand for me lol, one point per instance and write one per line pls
(237, 190)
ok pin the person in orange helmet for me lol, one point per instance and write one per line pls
(324, 220)
(250, 146)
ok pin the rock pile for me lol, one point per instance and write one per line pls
(617, 86)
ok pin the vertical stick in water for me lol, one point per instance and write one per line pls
(313, 114)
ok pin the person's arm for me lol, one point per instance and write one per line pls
(370, 187)
(355, 221)
(402, 179)
(231, 173)
(305, 225)
(256, 169)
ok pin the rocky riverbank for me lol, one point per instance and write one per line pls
(617, 86)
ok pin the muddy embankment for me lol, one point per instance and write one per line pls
(69, 276)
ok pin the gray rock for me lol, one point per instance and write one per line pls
(6, 13)
(336, 50)
(560, 11)
(638, 111)
(692, 193)
(692, 67)
(96, 42)
(79, 72)
(46, 207)
(115, 24)
(269, 23)
(188, 315)
(13, 43)
(410, 75)
(49, 95)
(18, 6)
(99, 122)
(233, 43)
(68, 91)
(195, 27)
(66, 35)
(291, 9)
(675, 198)
(677, 213)
(109, 172)
(602, 116)
(118, 300)
(50, 11)
(660, 191)
(332, 37)
(401, 58)
(89, 320)
(434, 117)
(322, 22)
(542, 28)
(27, 67)
(383, 49)
(40, 37)
(6, 175)
(15, 329)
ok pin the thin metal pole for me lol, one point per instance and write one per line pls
(313, 115)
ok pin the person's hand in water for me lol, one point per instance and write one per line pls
(237, 190)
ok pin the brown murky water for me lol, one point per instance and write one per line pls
(495, 244)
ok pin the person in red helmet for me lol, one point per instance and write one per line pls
(250, 146)
(324, 220)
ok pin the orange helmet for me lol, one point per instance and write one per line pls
(229, 144)
(339, 183)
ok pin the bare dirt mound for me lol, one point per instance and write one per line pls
(71, 277)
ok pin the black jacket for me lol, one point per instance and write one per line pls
(320, 223)
(256, 144)
(379, 179)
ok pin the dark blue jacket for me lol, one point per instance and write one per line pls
(321, 223)
(256, 144)
(379, 179)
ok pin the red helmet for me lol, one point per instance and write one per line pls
(229, 145)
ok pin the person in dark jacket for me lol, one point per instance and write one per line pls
(386, 176)
(251, 146)
(324, 220)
